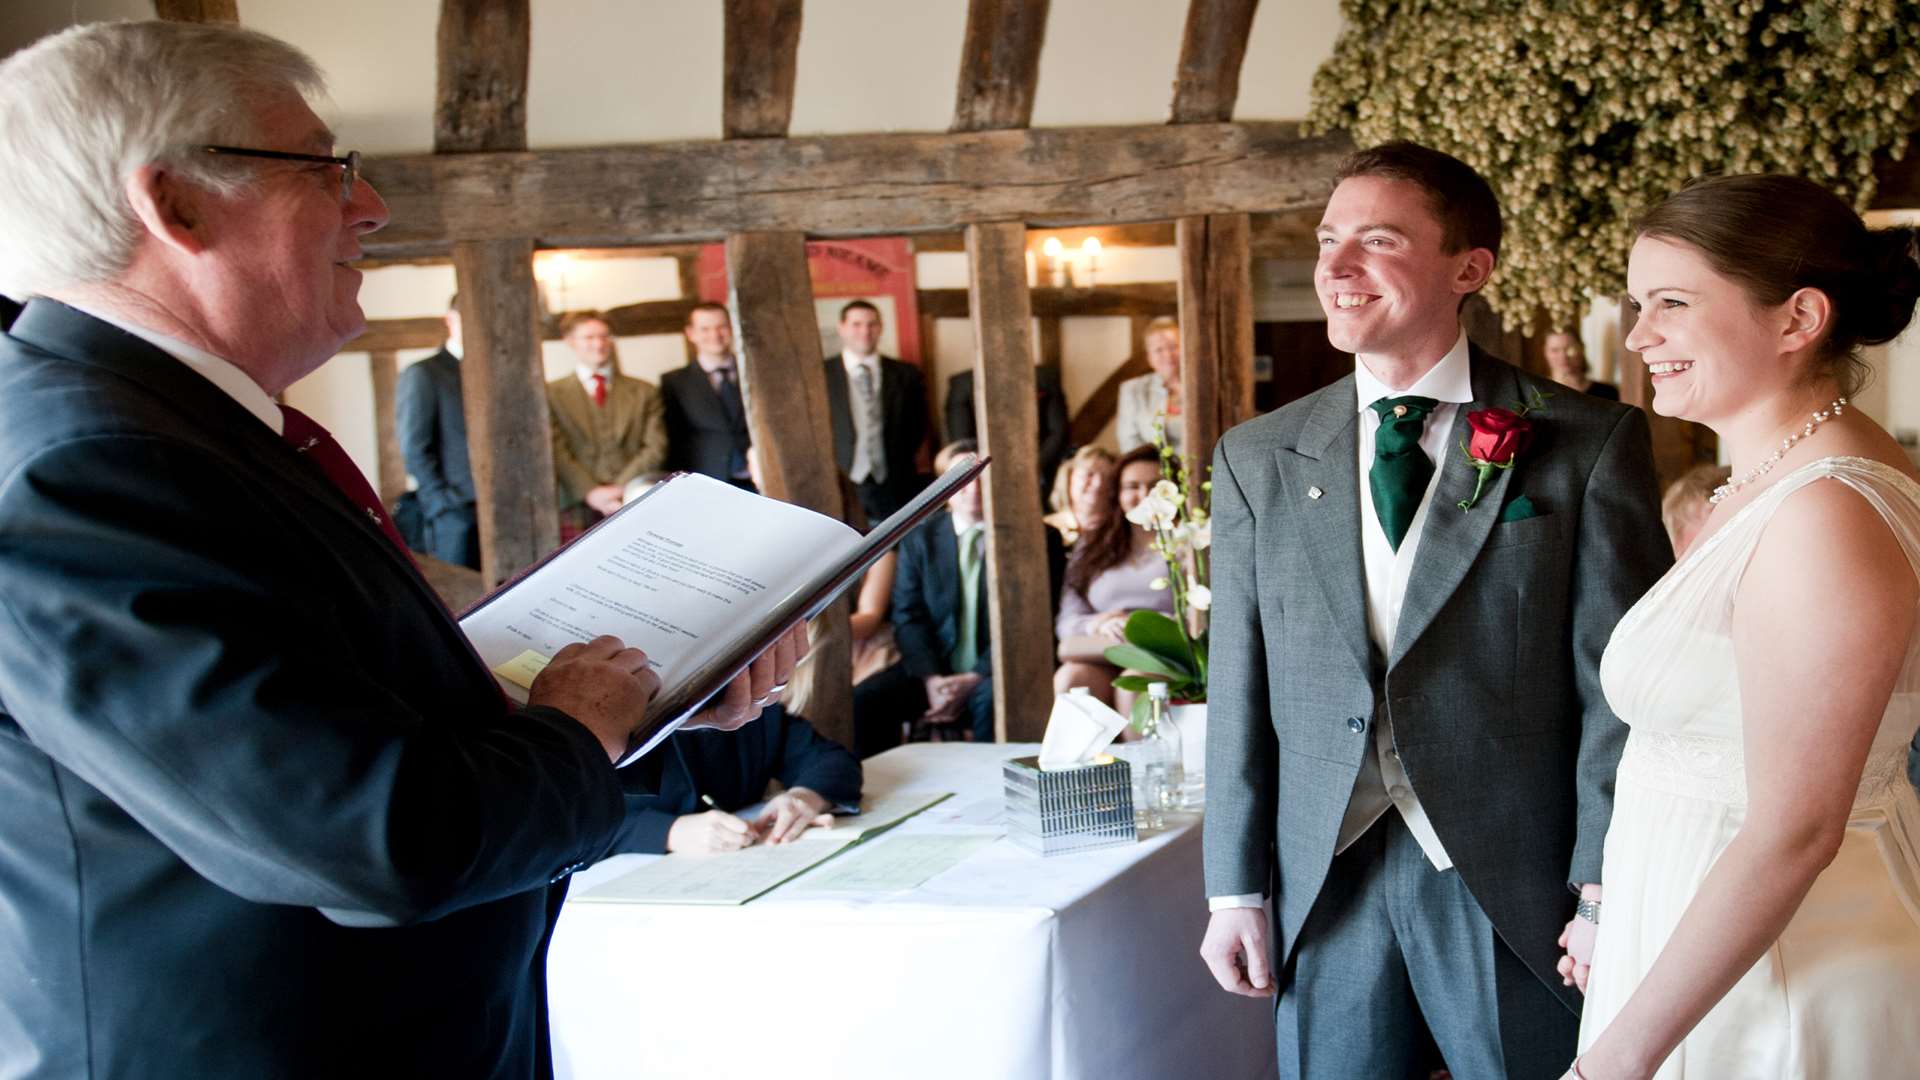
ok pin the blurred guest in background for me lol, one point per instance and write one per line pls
(1112, 574)
(1567, 364)
(1688, 502)
(1155, 396)
(608, 428)
(1082, 493)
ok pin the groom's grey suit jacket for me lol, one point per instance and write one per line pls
(1493, 686)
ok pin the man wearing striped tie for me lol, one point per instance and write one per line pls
(879, 411)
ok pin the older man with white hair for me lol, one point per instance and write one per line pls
(267, 814)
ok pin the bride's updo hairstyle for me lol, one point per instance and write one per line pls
(1775, 235)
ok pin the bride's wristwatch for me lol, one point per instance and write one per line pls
(1588, 910)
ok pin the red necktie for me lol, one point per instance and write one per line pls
(317, 445)
(600, 390)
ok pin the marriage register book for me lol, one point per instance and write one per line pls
(701, 576)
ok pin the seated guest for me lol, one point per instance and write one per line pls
(1049, 398)
(666, 811)
(706, 416)
(1567, 364)
(608, 428)
(1155, 396)
(1082, 493)
(1688, 502)
(939, 614)
(1110, 576)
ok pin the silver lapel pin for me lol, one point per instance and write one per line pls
(1314, 493)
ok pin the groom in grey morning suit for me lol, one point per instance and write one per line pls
(1409, 752)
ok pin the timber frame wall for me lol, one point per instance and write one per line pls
(482, 198)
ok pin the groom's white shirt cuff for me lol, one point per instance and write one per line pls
(1222, 903)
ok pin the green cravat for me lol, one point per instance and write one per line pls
(966, 651)
(1400, 468)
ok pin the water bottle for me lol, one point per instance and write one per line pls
(1160, 758)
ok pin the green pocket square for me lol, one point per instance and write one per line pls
(1520, 509)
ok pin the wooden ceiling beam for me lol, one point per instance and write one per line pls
(1211, 52)
(850, 185)
(762, 56)
(481, 100)
(204, 11)
(999, 64)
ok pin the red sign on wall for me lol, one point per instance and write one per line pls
(878, 270)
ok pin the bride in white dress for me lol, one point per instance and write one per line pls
(1761, 911)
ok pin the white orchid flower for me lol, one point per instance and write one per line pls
(1158, 583)
(1152, 512)
(1201, 535)
(1199, 597)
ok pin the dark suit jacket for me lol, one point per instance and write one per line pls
(903, 404)
(926, 598)
(266, 812)
(1050, 399)
(701, 437)
(733, 767)
(1493, 687)
(432, 425)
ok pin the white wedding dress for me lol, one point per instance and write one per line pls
(1837, 995)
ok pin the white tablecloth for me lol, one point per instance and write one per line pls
(1005, 966)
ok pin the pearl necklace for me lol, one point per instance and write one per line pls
(1839, 406)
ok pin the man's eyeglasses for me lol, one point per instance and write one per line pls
(349, 165)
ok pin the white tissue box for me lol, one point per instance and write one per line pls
(1056, 811)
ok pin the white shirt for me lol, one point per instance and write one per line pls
(233, 382)
(586, 375)
(1383, 781)
(865, 434)
(454, 350)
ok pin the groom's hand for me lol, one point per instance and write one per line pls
(1235, 950)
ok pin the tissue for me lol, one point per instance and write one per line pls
(1078, 729)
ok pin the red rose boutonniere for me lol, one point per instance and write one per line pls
(1499, 437)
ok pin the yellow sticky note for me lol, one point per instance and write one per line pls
(520, 670)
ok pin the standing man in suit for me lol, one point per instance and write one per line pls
(939, 616)
(879, 408)
(1408, 747)
(608, 428)
(706, 418)
(1052, 403)
(265, 809)
(433, 438)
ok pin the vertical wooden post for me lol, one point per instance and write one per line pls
(503, 387)
(1216, 331)
(1020, 611)
(783, 380)
(762, 43)
(999, 64)
(384, 367)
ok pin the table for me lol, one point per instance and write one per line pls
(1005, 966)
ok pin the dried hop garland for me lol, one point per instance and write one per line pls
(1582, 113)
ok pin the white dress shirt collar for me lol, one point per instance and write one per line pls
(1449, 381)
(854, 363)
(233, 382)
(586, 375)
(711, 366)
(455, 349)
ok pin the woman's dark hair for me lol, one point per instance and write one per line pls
(1775, 235)
(1109, 543)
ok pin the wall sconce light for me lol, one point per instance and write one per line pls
(1090, 254)
(1056, 265)
(550, 269)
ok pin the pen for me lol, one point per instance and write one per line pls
(711, 805)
